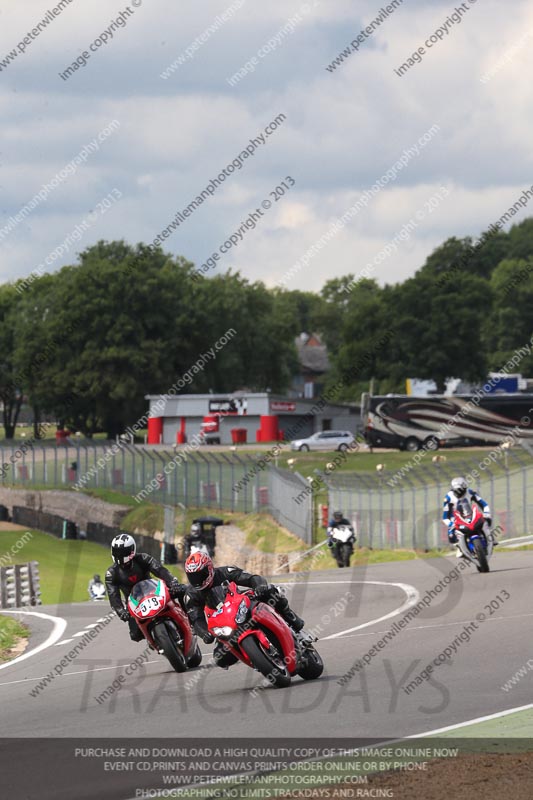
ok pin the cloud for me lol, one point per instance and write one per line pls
(343, 130)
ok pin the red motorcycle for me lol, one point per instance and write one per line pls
(258, 636)
(474, 543)
(164, 624)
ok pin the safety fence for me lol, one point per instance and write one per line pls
(20, 585)
(284, 487)
(401, 509)
(408, 514)
(174, 475)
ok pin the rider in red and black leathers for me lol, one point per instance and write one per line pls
(197, 598)
(130, 568)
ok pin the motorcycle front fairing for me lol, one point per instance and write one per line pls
(267, 617)
(342, 534)
(470, 524)
(259, 620)
(198, 547)
(150, 602)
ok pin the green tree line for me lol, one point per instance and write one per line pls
(88, 342)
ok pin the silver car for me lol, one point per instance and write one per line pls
(325, 440)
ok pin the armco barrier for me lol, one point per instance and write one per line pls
(96, 531)
(20, 586)
(38, 520)
(104, 535)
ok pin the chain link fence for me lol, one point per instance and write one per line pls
(408, 514)
(173, 477)
(291, 502)
(156, 475)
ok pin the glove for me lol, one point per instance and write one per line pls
(330, 542)
(175, 588)
(208, 637)
(263, 592)
(123, 614)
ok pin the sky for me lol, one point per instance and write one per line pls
(167, 95)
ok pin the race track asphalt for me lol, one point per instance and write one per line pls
(351, 611)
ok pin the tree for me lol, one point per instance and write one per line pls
(261, 354)
(88, 343)
(11, 387)
(358, 351)
(508, 327)
(459, 258)
(99, 338)
(438, 328)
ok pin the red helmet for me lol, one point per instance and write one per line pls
(199, 570)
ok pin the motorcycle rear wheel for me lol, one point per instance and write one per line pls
(165, 642)
(313, 667)
(275, 672)
(479, 550)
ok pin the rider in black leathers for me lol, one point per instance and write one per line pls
(130, 568)
(336, 521)
(203, 577)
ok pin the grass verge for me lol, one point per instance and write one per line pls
(111, 496)
(459, 460)
(65, 565)
(264, 533)
(11, 631)
(145, 516)
(322, 558)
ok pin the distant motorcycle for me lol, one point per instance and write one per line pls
(198, 546)
(473, 535)
(164, 624)
(260, 637)
(341, 540)
(97, 591)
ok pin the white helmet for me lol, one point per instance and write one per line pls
(459, 487)
(123, 549)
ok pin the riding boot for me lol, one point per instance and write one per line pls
(293, 620)
(136, 635)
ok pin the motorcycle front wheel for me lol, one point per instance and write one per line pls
(196, 658)
(171, 650)
(346, 552)
(479, 551)
(272, 667)
(312, 666)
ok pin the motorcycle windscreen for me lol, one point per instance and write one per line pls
(464, 508)
(144, 588)
(217, 595)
